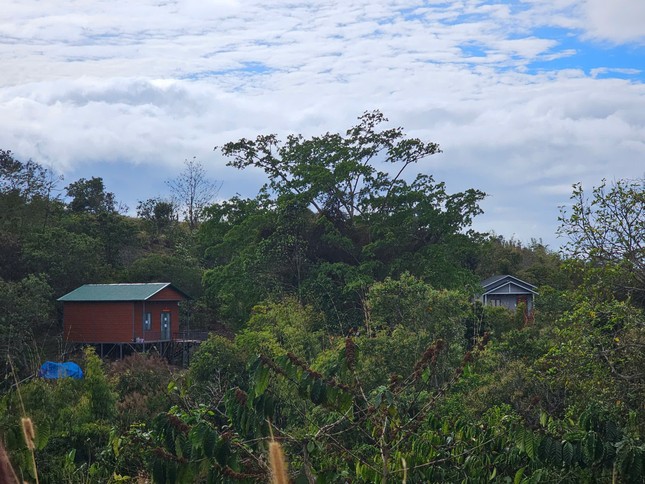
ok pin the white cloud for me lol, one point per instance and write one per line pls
(608, 70)
(616, 21)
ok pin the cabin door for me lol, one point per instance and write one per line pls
(165, 326)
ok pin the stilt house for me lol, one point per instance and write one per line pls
(122, 313)
(509, 292)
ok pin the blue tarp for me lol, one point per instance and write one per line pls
(51, 370)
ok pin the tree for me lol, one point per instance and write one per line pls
(332, 173)
(193, 191)
(89, 196)
(534, 262)
(29, 179)
(26, 194)
(609, 228)
(184, 272)
(159, 213)
(27, 310)
(67, 259)
(334, 220)
(217, 365)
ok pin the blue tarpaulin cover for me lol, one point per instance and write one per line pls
(51, 370)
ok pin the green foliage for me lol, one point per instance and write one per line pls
(332, 172)
(67, 414)
(101, 396)
(409, 302)
(140, 382)
(551, 304)
(609, 230)
(184, 272)
(187, 446)
(87, 242)
(371, 435)
(533, 263)
(89, 196)
(350, 289)
(217, 365)
(339, 290)
(290, 325)
(29, 181)
(112, 233)
(158, 214)
(66, 258)
(231, 236)
(328, 223)
(27, 310)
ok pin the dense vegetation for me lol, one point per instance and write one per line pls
(341, 305)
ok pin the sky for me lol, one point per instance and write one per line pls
(525, 97)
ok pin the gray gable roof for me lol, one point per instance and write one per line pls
(117, 292)
(494, 283)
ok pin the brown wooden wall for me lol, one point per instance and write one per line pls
(155, 308)
(117, 322)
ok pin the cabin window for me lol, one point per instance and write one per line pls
(147, 322)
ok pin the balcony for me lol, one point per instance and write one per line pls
(157, 336)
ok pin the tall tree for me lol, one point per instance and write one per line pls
(27, 315)
(334, 174)
(158, 213)
(89, 196)
(608, 229)
(337, 214)
(29, 179)
(26, 193)
(193, 191)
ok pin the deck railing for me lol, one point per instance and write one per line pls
(190, 335)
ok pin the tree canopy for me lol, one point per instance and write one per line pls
(334, 174)
(608, 229)
(337, 213)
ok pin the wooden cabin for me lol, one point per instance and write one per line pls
(508, 291)
(122, 313)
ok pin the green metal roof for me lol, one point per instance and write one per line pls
(117, 292)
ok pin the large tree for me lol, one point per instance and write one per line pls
(28, 195)
(29, 179)
(336, 214)
(356, 181)
(89, 196)
(607, 229)
(334, 174)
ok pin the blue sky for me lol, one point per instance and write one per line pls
(525, 97)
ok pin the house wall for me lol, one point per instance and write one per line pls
(509, 301)
(155, 308)
(98, 322)
(116, 322)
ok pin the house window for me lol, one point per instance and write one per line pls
(147, 322)
(495, 302)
